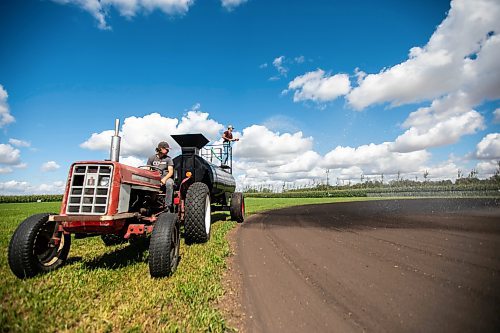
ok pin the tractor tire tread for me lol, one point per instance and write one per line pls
(194, 228)
(237, 207)
(20, 253)
(159, 247)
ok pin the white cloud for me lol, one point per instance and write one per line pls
(360, 75)
(231, 4)
(496, 116)
(99, 141)
(278, 64)
(441, 171)
(140, 135)
(15, 187)
(489, 147)
(9, 155)
(375, 159)
(264, 156)
(271, 159)
(5, 116)
(457, 70)
(264, 65)
(198, 122)
(450, 61)
(94, 7)
(443, 123)
(133, 161)
(128, 8)
(318, 87)
(19, 143)
(300, 59)
(461, 55)
(56, 187)
(20, 166)
(5, 170)
(487, 169)
(302, 162)
(282, 64)
(258, 143)
(255, 173)
(49, 166)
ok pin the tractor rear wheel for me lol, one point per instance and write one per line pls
(164, 246)
(31, 250)
(198, 214)
(237, 207)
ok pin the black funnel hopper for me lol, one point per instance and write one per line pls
(190, 143)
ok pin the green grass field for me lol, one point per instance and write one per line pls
(108, 289)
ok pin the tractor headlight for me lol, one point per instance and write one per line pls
(104, 181)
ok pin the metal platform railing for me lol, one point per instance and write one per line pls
(219, 154)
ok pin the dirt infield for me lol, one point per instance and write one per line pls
(428, 265)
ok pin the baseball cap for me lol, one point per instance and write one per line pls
(163, 144)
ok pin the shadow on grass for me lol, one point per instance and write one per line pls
(219, 216)
(131, 254)
(73, 260)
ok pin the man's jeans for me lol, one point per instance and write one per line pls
(169, 192)
(227, 148)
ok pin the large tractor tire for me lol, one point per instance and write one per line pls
(110, 239)
(198, 214)
(30, 249)
(237, 207)
(164, 246)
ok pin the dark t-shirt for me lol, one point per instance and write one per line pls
(161, 163)
(228, 135)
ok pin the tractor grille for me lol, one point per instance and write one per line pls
(89, 190)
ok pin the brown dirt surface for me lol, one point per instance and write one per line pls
(427, 265)
(230, 304)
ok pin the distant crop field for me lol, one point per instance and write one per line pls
(108, 289)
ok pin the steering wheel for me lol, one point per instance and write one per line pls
(150, 167)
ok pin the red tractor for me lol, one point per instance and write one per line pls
(120, 203)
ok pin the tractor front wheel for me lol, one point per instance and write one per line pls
(198, 218)
(237, 207)
(32, 249)
(164, 246)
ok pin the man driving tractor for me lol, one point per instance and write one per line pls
(165, 164)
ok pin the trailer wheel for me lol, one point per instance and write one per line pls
(164, 246)
(237, 207)
(110, 239)
(198, 214)
(30, 251)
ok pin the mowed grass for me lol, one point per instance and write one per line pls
(105, 289)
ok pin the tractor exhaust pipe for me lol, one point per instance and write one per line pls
(115, 144)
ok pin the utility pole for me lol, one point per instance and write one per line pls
(327, 172)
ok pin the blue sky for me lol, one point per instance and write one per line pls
(309, 85)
